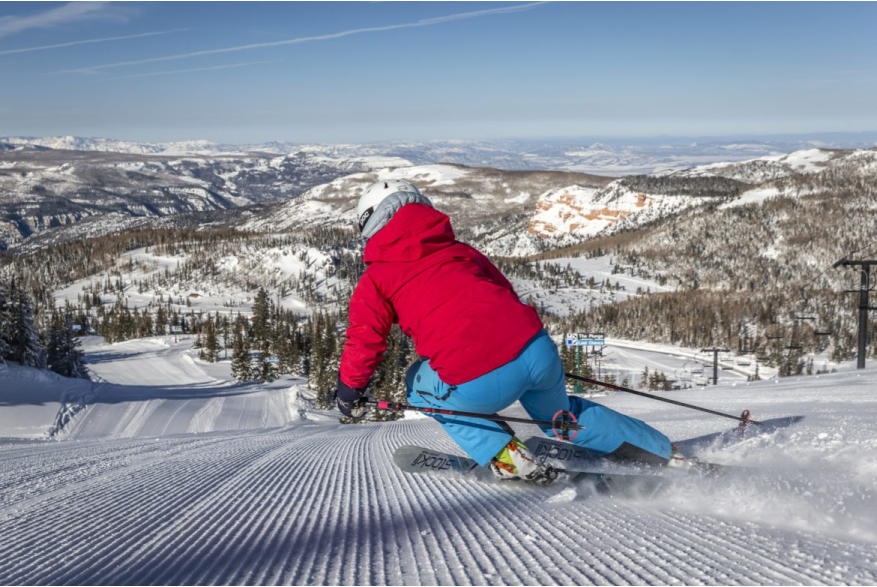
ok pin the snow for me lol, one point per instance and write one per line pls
(771, 167)
(601, 269)
(753, 196)
(222, 292)
(176, 476)
(428, 175)
(564, 299)
(521, 198)
(688, 367)
(586, 212)
(379, 161)
(806, 161)
(166, 391)
(30, 400)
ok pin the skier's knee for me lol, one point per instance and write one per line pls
(578, 405)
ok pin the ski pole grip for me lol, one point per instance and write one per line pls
(395, 407)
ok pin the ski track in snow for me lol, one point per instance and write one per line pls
(314, 502)
(323, 504)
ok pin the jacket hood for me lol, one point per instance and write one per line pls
(375, 218)
(414, 232)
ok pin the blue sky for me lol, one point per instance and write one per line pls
(331, 72)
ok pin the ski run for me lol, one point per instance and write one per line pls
(174, 474)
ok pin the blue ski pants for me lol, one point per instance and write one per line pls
(536, 379)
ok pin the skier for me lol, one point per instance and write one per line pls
(483, 348)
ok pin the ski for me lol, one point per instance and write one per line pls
(420, 460)
(416, 459)
(571, 457)
(562, 454)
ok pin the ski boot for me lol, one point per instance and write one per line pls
(516, 462)
(680, 462)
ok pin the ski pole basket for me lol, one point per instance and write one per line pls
(562, 423)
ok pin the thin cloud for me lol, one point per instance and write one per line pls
(327, 37)
(89, 41)
(194, 69)
(70, 12)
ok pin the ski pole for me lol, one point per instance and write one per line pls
(742, 418)
(561, 421)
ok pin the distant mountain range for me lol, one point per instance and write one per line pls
(603, 157)
(92, 190)
(515, 213)
(43, 188)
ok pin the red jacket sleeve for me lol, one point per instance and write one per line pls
(371, 317)
(493, 273)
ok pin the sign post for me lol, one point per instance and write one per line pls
(578, 340)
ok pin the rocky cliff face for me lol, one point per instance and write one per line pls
(583, 212)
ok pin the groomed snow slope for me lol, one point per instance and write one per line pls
(320, 503)
(159, 388)
(30, 400)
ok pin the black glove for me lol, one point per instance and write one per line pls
(351, 401)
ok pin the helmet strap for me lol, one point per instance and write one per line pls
(363, 220)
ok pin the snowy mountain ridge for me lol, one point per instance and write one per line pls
(41, 189)
(509, 213)
(505, 217)
(767, 168)
(477, 199)
(71, 143)
(602, 157)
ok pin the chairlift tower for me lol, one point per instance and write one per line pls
(715, 351)
(864, 269)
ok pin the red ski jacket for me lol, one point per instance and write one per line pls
(460, 311)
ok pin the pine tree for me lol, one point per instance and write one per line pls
(263, 369)
(161, 321)
(5, 323)
(240, 357)
(324, 359)
(332, 355)
(261, 318)
(26, 347)
(211, 343)
(64, 356)
(225, 333)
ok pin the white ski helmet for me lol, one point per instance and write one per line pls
(378, 192)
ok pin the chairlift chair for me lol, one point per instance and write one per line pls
(856, 283)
